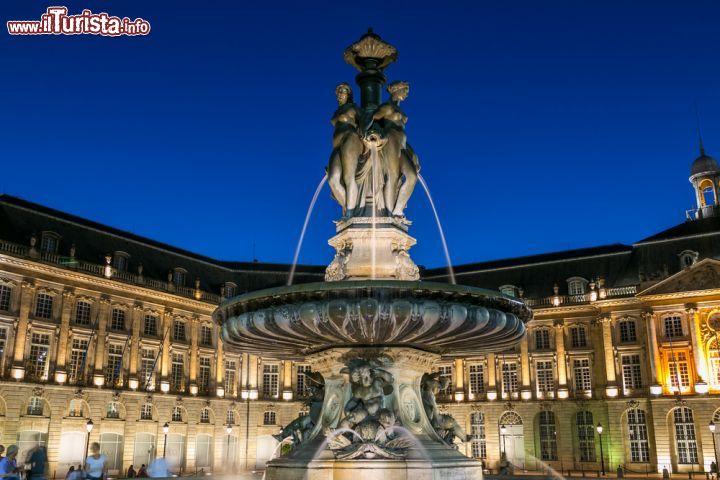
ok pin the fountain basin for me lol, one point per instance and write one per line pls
(295, 321)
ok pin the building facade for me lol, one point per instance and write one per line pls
(101, 328)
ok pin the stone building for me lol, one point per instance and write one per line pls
(103, 328)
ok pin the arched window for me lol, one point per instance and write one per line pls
(177, 414)
(548, 441)
(269, 418)
(688, 258)
(477, 432)
(49, 242)
(707, 192)
(638, 435)
(178, 277)
(685, 440)
(113, 410)
(146, 411)
(576, 285)
(714, 361)
(76, 408)
(36, 406)
(229, 289)
(586, 435)
(203, 451)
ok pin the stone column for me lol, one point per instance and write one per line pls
(244, 376)
(491, 370)
(653, 353)
(287, 391)
(694, 319)
(166, 324)
(137, 320)
(100, 340)
(562, 391)
(27, 294)
(68, 301)
(459, 380)
(194, 327)
(220, 369)
(253, 377)
(525, 391)
(611, 388)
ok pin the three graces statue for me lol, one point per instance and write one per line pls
(371, 158)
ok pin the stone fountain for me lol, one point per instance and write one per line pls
(372, 332)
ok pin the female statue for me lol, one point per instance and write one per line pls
(347, 148)
(399, 159)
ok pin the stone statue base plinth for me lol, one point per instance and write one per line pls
(372, 248)
(425, 457)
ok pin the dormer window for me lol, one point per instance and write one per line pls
(229, 290)
(120, 261)
(509, 290)
(179, 275)
(49, 242)
(577, 286)
(688, 258)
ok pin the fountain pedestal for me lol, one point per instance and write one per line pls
(371, 248)
(427, 456)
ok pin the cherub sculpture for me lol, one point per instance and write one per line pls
(369, 385)
(445, 425)
(304, 424)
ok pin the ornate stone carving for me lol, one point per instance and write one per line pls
(337, 270)
(370, 46)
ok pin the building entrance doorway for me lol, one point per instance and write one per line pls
(512, 442)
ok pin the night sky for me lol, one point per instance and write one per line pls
(540, 126)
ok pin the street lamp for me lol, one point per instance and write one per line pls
(166, 429)
(599, 429)
(89, 426)
(503, 430)
(227, 450)
(711, 426)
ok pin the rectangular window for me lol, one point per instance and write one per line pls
(117, 321)
(179, 331)
(5, 293)
(150, 326)
(3, 341)
(544, 376)
(76, 366)
(586, 435)
(177, 372)
(509, 379)
(146, 412)
(542, 339)
(82, 313)
(446, 378)
(230, 417)
(114, 365)
(632, 377)
(301, 387)
(714, 361)
(576, 287)
(49, 243)
(206, 336)
(477, 379)
(44, 306)
(477, 433)
(147, 367)
(176, 414)
(637, 431)
(578, 337)
(548, 440)
(673, 327)
(35, 406)
(204, 375)
(38, 359)
(230, 378)
(271, 378)
(628, 332)
(581, 372)
(679, 370)
(685, 436)
(113, 411)
(205, 415)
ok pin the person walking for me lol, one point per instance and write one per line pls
(8, 465)
(38, 461)
(95, 464)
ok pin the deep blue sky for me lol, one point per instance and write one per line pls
(540, 126)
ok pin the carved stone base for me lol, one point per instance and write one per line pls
(428, 457)
(372, 248)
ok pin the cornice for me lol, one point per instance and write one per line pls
(94, 282)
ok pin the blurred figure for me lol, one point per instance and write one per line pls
(142, 473)
(38, 462)
(158, 468)
(8, 465)
(2, 451)
(70, 472)
(95, 464)
(131, 473)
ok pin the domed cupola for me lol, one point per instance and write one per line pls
(705, 179)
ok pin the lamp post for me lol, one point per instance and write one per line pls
(599, 429)
(711, 426)
(503, 430)
(89, 426)
(227, 450)
(166, 429)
